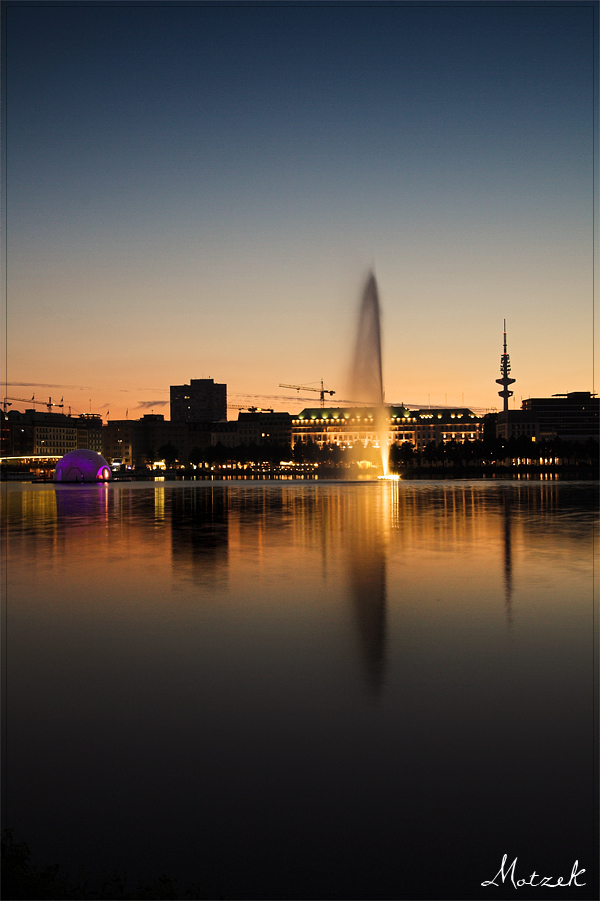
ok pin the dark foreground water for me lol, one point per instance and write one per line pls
(304, 690)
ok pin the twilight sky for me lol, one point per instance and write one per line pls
(199, 191)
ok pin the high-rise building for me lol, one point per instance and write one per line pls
(202, 400)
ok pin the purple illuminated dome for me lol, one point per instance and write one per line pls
(82, 466)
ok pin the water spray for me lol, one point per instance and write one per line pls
(367, 380)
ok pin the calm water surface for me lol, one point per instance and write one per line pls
(290, 690)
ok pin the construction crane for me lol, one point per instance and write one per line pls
(250, 409)
(322, 391)
(25, 400)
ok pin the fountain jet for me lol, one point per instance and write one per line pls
(366, 378)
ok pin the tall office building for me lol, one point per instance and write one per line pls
(574, 416)
(201, 401)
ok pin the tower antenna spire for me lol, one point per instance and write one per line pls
(505, 381)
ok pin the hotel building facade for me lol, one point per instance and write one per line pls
(344, 426)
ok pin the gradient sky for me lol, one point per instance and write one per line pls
(199, 191)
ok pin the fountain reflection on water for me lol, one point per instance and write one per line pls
(366, 376)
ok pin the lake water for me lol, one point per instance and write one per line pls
(304, 689)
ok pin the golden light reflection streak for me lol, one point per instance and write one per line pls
(39, 508)
(159, 503)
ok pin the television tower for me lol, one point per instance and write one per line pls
(505, 381)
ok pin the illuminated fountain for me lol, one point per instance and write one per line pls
(366, 377)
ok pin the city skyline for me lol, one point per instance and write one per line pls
(199, 191)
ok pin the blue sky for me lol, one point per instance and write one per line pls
(200, 190)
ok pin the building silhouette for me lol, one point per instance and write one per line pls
(574, 416)
(136, 442)
(38, 432)
(256, 427)
(203, 400)
(264, 427)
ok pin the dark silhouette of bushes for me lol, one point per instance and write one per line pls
(21, 879)
(447, 456)
(169, 453)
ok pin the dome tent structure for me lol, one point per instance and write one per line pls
(82, 466)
